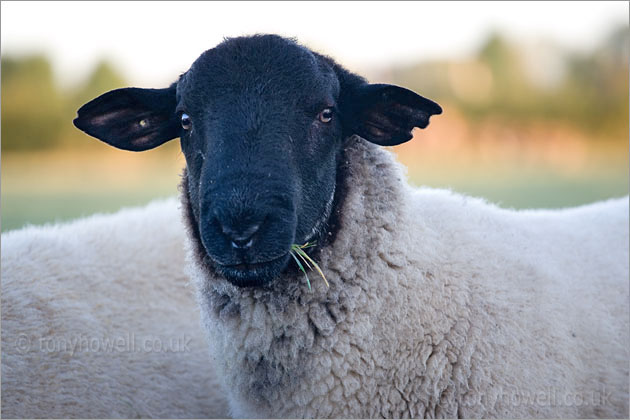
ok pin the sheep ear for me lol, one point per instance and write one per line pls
(131, 118)
(386, 114)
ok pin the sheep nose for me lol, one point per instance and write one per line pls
(241, 237)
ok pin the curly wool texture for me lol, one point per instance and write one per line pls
(439, 305)
(98, 321)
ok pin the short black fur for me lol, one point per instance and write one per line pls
(262, 155)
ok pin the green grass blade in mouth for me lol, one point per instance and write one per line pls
(301, 268)
(300, 254)
(319, 270)
(308, 261)
(307, 245)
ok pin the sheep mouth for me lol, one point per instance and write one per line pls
(253, 274)
(246, 266)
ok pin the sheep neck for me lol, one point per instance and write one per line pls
(264, 338)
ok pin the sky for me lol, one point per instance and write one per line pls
(153, 42)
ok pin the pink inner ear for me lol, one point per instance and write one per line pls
(141, 141)
(104, 119)
(374, 131)
(379, 123)
(403, 109)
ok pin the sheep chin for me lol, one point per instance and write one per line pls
(254, 275)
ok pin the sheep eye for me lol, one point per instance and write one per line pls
(325, 116)
(186, 122)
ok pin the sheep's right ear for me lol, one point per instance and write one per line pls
(385, 114)
(131, 118)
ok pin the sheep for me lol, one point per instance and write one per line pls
(435, 304)
(98, 321)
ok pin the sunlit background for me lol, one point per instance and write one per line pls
(535, 95)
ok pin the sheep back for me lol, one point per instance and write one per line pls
(98, 321)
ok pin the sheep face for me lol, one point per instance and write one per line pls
(261, 122)
(261, 146)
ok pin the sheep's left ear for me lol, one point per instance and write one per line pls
(385, 114)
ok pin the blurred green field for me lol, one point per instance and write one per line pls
(535, 189)
(509, 133)
(38, 189)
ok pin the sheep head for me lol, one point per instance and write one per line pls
(261, 121)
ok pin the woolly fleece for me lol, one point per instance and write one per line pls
(439, 305)
(98, 321)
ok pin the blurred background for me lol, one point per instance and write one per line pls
(535, 95)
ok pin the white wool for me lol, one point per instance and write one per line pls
(439, 305)
(98, 321)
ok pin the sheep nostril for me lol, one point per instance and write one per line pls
(242, 237)
(240, 245)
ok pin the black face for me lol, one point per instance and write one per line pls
(261, 121)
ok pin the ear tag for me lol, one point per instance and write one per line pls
(143, 123)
